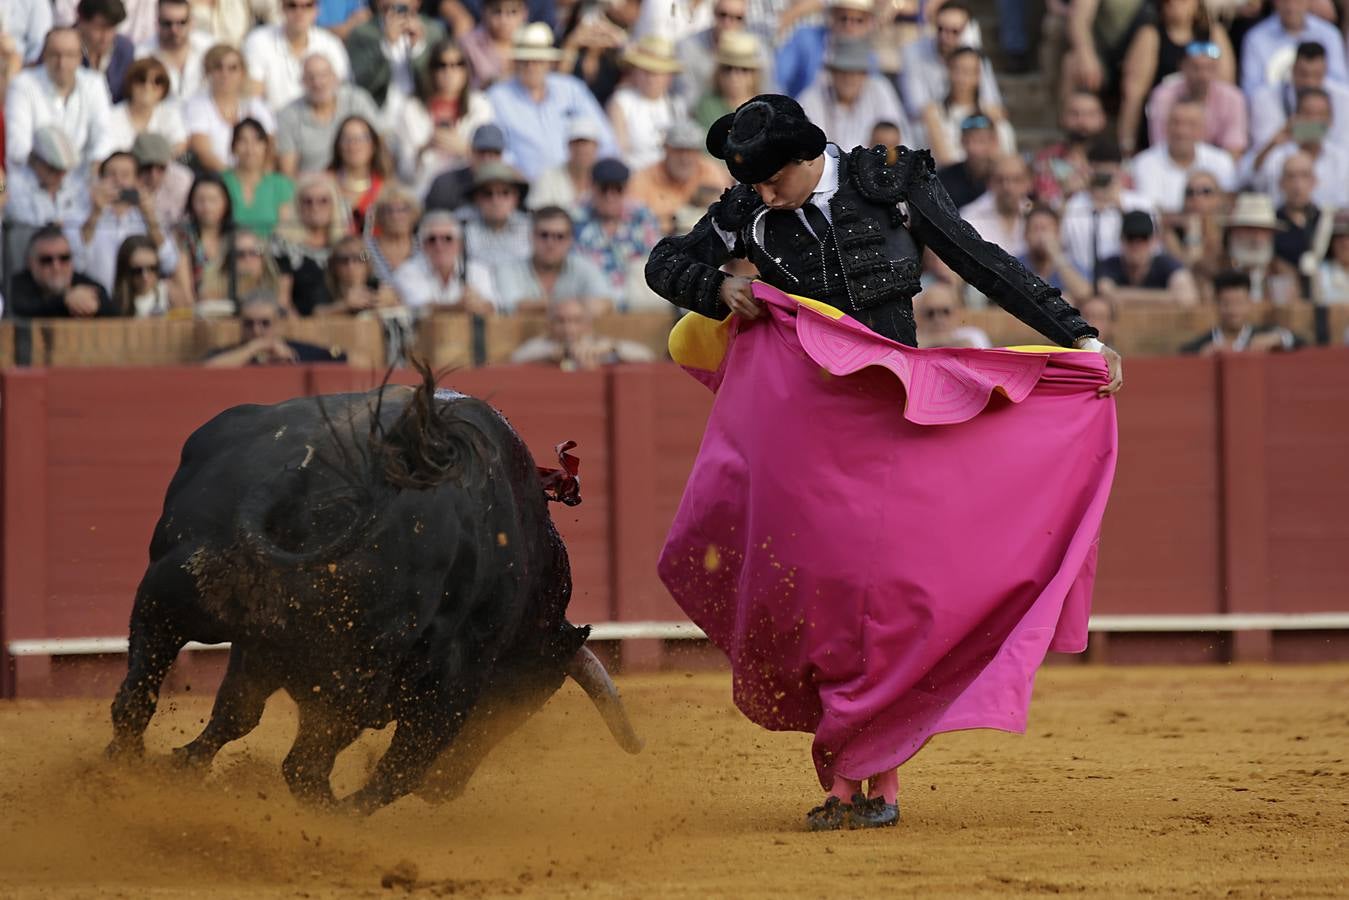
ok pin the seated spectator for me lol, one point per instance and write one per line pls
(58, 92)
(593, 38)
(946, 119)
(572, 344)
(51, 187)
(179, 47)
(262, 345)
(389, 52)
(739, 76)
(848, 97)
(1248, 236)
(276, 53)
(342, 16)
(643, 108)
(230, 21)
(306, 128)
(1198, 81)
(261, 197)
(999, 215)
(210, 116)
(936, 309)
(251, 267)
(1100, 314)
(439, 277)
(1271, 104)
(360, 166)
(137, 289)
(146, 109)
(1155, 52)
(967, 179)
(392, 241)
(117, 210)
(489, 46)
(301, 250)
(1092, 217)
(685, 173)
(105, 51)
(1061, 169)
(534, 106)
(1306, 131)
(924, 75)
(352, 286)
(1194, 236)
(1160, 172)
(496, 227)
(1045, 256)
(568, 186)
(1301, 216)
(800, 58)
(27, 23)
(552, 272)
(449, 190)
(166, 181)
(1143, 273)
(203, 238)
(1239, 329)
(676, 19)
(50, 287)
(1265, 48)
(437, 125)
(613, 232)
(699, 52)
(1332, 277)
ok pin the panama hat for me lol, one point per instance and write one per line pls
(654, 54)
(739, 50)
(1253, 211)
(534, 42)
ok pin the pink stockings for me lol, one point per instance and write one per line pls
(884, 785)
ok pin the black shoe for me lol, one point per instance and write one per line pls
(873, 813)
(833, 815)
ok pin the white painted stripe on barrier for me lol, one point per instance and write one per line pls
(671, 631)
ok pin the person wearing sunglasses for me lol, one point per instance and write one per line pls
(148, 108)
(1272, 104)
(436, 126)
(49, 287)
(262, 344)
(1195, 235)
(211, 115)
(1143, 274)
(496, 227)
(307, 127)
(801, 56)
(276, 53)
(938, 309)
(51, 187)
(1159, 172)
(439, 277)
(699, 51)
(1199, 80)
(391, 51)
(947, 119)
(105, 51)
(553, 272)
(925, 74)
(181, 48)
(137, 288)
(614, 231)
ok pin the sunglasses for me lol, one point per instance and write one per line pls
(729, 16)
(153, 167)
(323, 200)
(497, 192)
(48, 259)
(257, 323)
(157, 80)
(844, 19)
(933, 312)
(439, 239)
(173, 23)
(1200, 191)
(144, 270)
(552, 235)
(448, 64)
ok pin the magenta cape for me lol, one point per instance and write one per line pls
(886, 541)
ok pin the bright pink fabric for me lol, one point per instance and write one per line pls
(883, 544)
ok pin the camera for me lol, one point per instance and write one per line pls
(129, 196)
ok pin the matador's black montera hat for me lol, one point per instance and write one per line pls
(766, 133)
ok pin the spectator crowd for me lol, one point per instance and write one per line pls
(269, 158)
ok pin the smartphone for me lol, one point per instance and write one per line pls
(372, 283)
(129, 196)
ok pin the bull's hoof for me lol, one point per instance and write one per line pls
(124, 750)
(188, 758)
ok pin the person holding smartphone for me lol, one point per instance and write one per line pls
(390, 52)
(118, 209)
(1306, 131)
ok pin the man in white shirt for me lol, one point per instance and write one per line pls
(439, 277)
(1160, 172)
(59, 92)
(1307, 131)
(51, 187)
(1092, 218)
(178, 47)
(1272, 104)
(923, 75)
(847, 98)
(117, 210)
(999, 215)
(276, 53)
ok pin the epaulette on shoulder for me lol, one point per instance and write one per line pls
(885, 175)
(737, 206)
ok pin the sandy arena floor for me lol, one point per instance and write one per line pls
(1209, 782)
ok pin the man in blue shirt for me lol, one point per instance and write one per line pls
(536, 106)
(1278, 35)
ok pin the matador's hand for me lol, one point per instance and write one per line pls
(1114, 365)
(738, 295)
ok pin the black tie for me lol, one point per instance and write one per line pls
(816, 219)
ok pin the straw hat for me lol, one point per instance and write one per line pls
(1253, 211)
(739, 50)
(865, 6)
(535, 42)
(654, 54)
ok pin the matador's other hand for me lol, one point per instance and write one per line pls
(736, 292)
(1116, 371)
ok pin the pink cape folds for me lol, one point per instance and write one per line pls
(886, 541)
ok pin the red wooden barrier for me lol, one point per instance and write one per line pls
(1233, 478)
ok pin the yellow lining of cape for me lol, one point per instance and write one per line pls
(698, 342)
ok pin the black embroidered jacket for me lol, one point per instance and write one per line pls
(868, 265)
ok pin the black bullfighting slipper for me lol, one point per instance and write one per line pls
(873, 813)
(832, 816)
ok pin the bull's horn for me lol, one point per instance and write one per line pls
(586, 669)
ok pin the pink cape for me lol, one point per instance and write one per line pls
(886, 541)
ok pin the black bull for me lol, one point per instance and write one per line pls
(382, 557)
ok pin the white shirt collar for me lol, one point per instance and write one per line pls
(829, 177)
